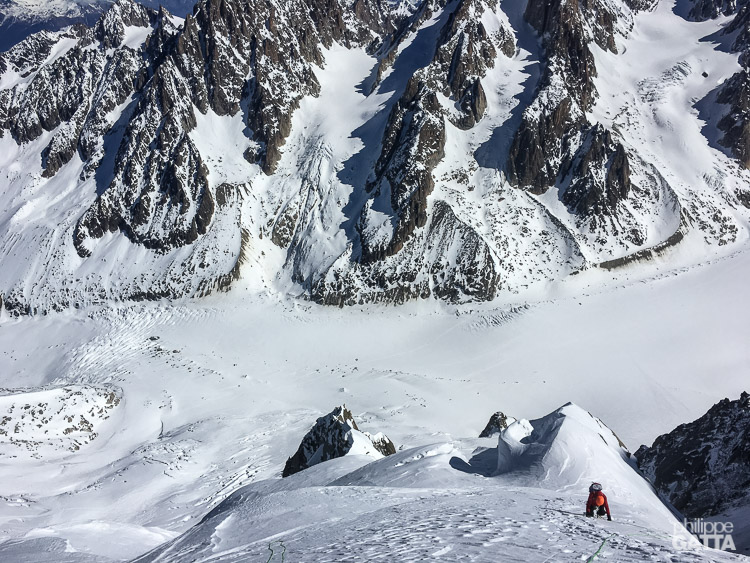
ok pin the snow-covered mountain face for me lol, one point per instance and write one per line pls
(174, 407)
(367, 151)
(703, 467)
(21, 18)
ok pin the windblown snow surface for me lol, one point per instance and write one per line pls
(191, 402)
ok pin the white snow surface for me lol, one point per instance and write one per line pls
(215, 395)
(428, 503)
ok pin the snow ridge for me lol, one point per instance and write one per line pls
(429, 503)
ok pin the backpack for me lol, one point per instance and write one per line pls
(595, 488)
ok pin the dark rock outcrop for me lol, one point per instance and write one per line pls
(550, 126)
(600, 175)
(554, 128)
(162, 198)
(557, 146)
(736, 124)
(117, 113)
(110, 28)
(708, 9)
(382, 443)
(226, 53)
(735, 92)
(497, 423)
(413, 145)
(332, 436)
(641, 5)
(464, 54)
(451, 261)
(703, 467)
(469, 274)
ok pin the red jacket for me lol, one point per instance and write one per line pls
(591, 503)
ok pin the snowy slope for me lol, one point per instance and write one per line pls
(429, 503)
(216, 394)
(351, 163)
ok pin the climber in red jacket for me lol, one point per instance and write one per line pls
(597, 502)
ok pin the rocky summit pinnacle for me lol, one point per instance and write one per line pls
(336, 435)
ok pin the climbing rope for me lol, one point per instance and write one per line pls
(647, 533)
(270, 548)
(590, 559)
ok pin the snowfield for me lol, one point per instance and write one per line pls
(215, 394)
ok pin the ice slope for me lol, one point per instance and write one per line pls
(429, 503)
(216, 394)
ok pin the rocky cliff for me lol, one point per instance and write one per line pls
(703, 467)
(354, 151)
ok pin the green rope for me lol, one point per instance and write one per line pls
(590, 559)
(270, 548)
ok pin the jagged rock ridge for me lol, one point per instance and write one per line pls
(498, 422)
(485, 164)
(226, 54)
